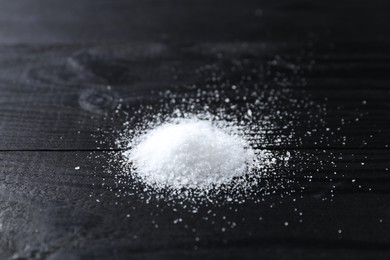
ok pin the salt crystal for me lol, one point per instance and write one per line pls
(249, 112)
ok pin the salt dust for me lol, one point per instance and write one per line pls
(190, 153)
(220, 141)
(203, 146)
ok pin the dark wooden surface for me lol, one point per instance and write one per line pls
(57, 59)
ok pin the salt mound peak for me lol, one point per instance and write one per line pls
(190, 153)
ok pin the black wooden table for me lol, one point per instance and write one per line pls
(57, 114)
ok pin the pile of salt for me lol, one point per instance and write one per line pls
(190, 153)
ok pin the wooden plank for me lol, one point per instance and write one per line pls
(65, 97)
(45, 21)
(50, 209)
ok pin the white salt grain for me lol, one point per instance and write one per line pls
(190, 153)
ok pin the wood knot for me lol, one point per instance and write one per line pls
(98, 100)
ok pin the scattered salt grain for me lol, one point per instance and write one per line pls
(177, 145)
(212, 143)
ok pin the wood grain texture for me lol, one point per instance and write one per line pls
(66, 102)
(101, 21)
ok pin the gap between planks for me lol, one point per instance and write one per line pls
(257, 148)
